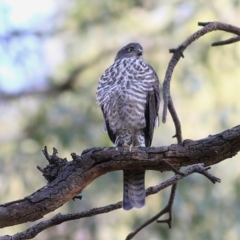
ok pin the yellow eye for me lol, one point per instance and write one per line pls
(130, 49)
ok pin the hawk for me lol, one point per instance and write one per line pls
(129, 95)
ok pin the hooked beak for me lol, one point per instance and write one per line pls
(139, 52)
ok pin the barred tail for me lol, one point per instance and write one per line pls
(134, 190)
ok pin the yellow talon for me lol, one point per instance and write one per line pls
(125, 145)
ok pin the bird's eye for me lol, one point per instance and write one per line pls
(130, 49)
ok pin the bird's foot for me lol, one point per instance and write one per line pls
(127, 145)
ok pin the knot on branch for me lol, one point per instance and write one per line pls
(56, 165)
(178, 50)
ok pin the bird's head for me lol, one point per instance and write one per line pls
(130, 50)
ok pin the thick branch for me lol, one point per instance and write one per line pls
(60, 218)
(72, 177)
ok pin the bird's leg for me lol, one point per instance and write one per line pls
(129, 146)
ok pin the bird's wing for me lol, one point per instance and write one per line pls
(111, 135)
(151, 110)
(103, 97)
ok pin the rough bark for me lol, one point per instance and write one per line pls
(69, 178)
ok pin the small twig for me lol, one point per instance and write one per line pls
(40, 169)
(204, 171)
(225, 42)
(51, 158)
(176, 121)
(74, 156)
(203, 24)
(56, 164)
(79, 197)
(178, 49)
(167, 209)
(172, 168)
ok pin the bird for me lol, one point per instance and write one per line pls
(128, 93)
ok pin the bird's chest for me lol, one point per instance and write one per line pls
(129, 84)
(127, 94)
(127, 109)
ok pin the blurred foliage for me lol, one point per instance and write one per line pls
(205, 90)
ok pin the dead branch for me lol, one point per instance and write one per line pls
(225, 42)
(168, 103)
(167, 209)
(72, 177)
(178, 53)
(60, 218)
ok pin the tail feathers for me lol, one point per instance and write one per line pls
(134, 190)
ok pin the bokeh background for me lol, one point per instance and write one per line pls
(52, 55)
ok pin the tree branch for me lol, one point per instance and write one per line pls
(71, 178)
(225, 42)
(167, 209)
(178, 53)
(60, 218)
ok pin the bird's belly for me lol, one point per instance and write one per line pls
(127, 113)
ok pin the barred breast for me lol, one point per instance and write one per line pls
(122, 93)
(128, 93)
